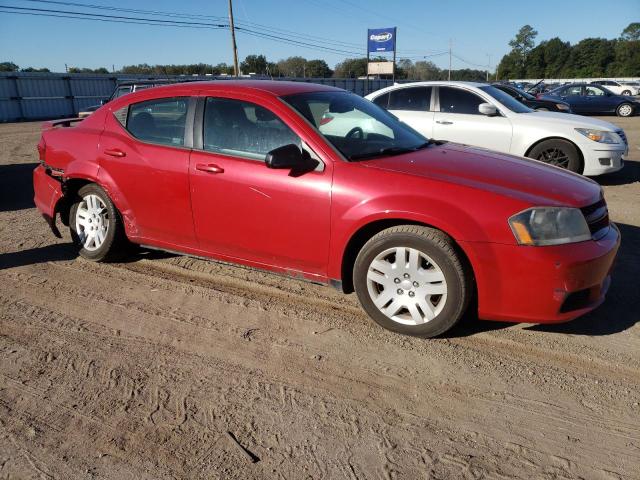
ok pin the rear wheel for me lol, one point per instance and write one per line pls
(558, 152)
(95, 225)
(410, 280)
(624, 110)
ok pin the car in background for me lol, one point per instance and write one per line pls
(484, 116)
(590, 99)
(124, 88)
(533, 102)
(242, 172)
(619, 88)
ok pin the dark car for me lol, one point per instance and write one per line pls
(122, 88)
(593, 99)
(533, 102)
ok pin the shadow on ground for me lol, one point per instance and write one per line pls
(619, 312)
(16, 186)
(630, 173)
(49, 253)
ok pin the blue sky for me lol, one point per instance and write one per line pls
(477, 29)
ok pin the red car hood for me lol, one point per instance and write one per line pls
(522, 178)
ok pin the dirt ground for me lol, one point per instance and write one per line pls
(139, 369)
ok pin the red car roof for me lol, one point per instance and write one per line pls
(272, 87)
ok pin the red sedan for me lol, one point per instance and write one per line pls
(317, 183)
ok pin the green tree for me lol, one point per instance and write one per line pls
(292, 67)
(318, 69)
(556, 55)
(254, 64)
(351, 68)
(590, 58)
(627, 60)
(8, 67)
(632, 32)
(32, 69)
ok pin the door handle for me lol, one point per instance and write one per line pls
(209, 168)
(115, 152)
(444, 122)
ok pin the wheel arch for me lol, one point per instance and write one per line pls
(578, 149)
(365, 232)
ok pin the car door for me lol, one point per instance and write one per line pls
(412, 105)
(599, 100)
(144, 152)
(574, 95)
(244, 210)
(458, 120)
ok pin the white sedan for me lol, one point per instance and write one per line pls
(620, 88)
(481, 115)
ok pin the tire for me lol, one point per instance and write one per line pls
(627, 93)
(433, 279)
(560, 153)
(93, 212)
(624, 110)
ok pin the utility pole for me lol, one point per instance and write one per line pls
(236, 72)
(449, 59)
(488, 66)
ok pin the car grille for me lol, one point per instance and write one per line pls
(623, 136)
(597, 217)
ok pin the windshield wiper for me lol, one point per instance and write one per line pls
(391, 151)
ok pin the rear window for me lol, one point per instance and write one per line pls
(159, 121)
(411, 98)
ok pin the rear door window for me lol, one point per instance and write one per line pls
(244, 129)
(456, 100)
(412, 99)
(159, 121)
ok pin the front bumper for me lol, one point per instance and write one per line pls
(47, 192)
(542, 284)
(603, 160)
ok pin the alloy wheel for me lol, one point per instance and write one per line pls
(406, 285)
(92, 222)
(554, 156)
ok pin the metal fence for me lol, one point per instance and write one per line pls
(40, 96)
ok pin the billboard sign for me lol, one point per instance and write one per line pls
(380, 68)
(381, 39)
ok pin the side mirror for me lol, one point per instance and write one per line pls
(288, 156)
(487, 109)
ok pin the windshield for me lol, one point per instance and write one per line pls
(358, 128)
(506, 99)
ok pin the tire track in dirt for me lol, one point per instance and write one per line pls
(227, 343)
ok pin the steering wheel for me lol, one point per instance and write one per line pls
(355, 132)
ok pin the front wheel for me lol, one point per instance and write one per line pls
(411, 280)
(624, 110)
(558, 152)
(95, 225)
(627, 93)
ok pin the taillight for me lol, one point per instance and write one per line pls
(42, 147)
(325, 119)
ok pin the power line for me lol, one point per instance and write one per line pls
(163, 22)
(195, 16)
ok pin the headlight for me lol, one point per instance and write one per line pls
(549, 226)
(600, 136)
(563, 107)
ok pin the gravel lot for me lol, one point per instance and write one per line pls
(139, 369)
